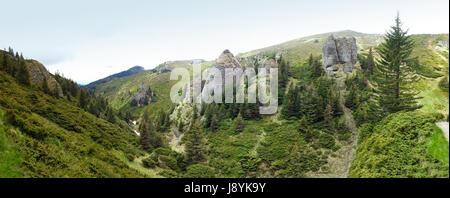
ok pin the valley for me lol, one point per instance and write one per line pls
(126, 125)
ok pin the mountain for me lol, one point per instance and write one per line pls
(428, 49)
(125, 125)
(129, 72)
(330, 156)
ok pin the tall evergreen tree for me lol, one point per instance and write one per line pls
(144, 130)
(23, 75)
(84, 98)
(394, 73)
(238, 124)
(195, 146)
(370, 62)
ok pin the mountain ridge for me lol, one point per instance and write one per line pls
(133, 70)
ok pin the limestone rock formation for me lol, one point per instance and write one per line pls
(38, 74)
(227, 60)
(143, 96)
(339, 51)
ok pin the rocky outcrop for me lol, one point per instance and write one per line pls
(341, 51)
(39, 74)
(226, 60)
(143, 96)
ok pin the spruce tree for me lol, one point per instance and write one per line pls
(83, 99)
(144, 130)
(394, 72)
(214, 122)
(370, 61)
(23, 75)
(238, 124)
(195, 146)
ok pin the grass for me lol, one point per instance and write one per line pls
(433, 98)
(137, 165)
(438, 145)
(10, 162)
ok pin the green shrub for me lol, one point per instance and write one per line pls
(169, 161)
(326, 141)
(398, 146)
(149, 162)
(169, 174)
(443, 84)
(200, 171)
(249, 163)
(130, 157)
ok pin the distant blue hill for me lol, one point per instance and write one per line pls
(129, 72)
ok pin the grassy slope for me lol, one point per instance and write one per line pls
(10, 164)
(438, 145)
(434, 59)
(299, 50)
(402, 145)
(53, 138)
(120, 90)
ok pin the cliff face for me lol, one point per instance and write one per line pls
(227, 60)
(38, 74)
(337, 51)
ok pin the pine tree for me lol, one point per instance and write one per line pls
(110, 115)
(3, 61)
(370, 61)
(144, 130)
(195, 146)
(291, 104)
(194, 111)
(214, 122)
(328, 116)
(161, 121)
(238, 124)
(84, 98)
(23, 75)
(394, 73)
(316, 66)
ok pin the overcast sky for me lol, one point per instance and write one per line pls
(90, 39)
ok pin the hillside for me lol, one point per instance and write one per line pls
(402, 145)
(48, 135)
(298, 50)
(268, 145)
(125, 125)
(429, 50)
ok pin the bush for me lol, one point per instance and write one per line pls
(397, 147)
(149, 163)
(169, 174)
(169, 161)
(326, 141)
(200, 171)
(443, 84)
(130, 157)
(365, 131)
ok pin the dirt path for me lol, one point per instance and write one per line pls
(444, 128)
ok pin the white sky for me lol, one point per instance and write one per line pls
(88, 40)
